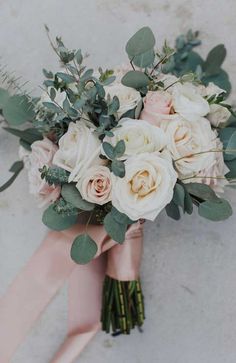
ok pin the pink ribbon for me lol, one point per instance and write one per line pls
(45, 274)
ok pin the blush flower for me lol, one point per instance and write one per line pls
(42, 154)
(95, 185)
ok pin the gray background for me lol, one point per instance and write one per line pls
(189, 267)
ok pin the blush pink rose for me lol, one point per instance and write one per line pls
(42, 154)
(95, 185)
(157, 106)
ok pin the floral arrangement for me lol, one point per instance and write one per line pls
(119, 146)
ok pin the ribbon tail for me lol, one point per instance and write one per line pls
(85, 299)
(31, 292)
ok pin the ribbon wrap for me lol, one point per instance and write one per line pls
(46, 272)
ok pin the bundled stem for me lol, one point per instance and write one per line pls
(122, 306)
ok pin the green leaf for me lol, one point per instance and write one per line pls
(145, 59)
(201, 191)
(215, 58)
(230, 152)
(71, 194)
(115, 229)
(109, 150)
(135, 79)
(78, 56)
(119, 149)
(83, 249)
(4, 95)
(118, 168)
(228, 136)
(54, 175)
(18, 109)
(232, 167)
(120, 217)
(142, 41)
(221, 80)
(172, 210)
(56, 221)
(113, 107)
(52, 107)
(215, 210)
(29, 135)
(179, 195)
(16, 169)
(188, 203)
(67, 78)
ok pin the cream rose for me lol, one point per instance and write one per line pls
(156, 105)
(218, 115)
(128, 97)
(79, 148)
(214, 174)
(95, 185)
(146, 188)
(188, 103)
(42, 154)
(139, 137)
(187, 143)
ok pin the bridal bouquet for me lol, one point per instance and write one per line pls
(118, 146)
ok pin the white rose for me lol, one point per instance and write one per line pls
(188, 103)
(146, 188)
(187, 143)
(218, 115)
(214, 174)
(139, 137)
(42, 154)
(95, 185)
(79, 148)
(128, 97)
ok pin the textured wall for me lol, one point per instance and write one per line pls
(189, 267)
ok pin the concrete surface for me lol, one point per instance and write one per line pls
(189, 267)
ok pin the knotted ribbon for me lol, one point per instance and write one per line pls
(46, 272)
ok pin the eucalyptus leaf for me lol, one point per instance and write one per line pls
(228, 137)
(179, 195)
(231, 148)
(142, 41)
(201, 191)
(67, 78)
(145, 59)
(56, 221)
(172, 210)
(83, 249)
(232, 169)
(215, 58)
(108, 149)
(15, 169)
(115, 229)
(120, 217)
(4, 95)
(221, 80)
(135, 79)
(119, 149)
(18, 110)
(215, 210)
(52, 107)
(118, 168)
(71, 194)
(29, 135)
